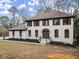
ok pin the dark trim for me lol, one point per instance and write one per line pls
(50, 18)
(17, 30)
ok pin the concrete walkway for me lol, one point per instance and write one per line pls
(22, 42)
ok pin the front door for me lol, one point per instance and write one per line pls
(45, 34)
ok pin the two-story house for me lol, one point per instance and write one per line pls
(45, 27)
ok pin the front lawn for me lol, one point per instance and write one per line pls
(11, 50)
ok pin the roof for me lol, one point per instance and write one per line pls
(18, 28)
(51, 14)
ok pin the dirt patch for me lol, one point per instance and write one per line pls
(62, 56)
(12, 50)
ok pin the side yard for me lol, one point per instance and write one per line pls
(13, 50)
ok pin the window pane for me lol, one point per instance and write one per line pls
(29, 23)
(66, 33)
(29, 33)
(36, 33)
(36, 23)
(47, 22)
(20, 33)
(67, 21)
(56, 33)
(56, 22)
(13, 33)
(44, 23)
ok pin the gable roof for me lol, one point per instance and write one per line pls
(51, 14)
(18, 28)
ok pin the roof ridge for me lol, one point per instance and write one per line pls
(51, 14)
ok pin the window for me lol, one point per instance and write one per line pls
(20, 33)
(56, 22)
(66, 33)
(36, 33)
(56, 33)
(29, 33)
(36, 23)
(13, 33)
(29, 23)
(67, 21)
(45, 22)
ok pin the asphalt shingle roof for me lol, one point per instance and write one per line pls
(51, 14)
(20, 27)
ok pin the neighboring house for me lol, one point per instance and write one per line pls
(45, 27)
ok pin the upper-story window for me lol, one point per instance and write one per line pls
(36, 23)
(45, 22)
(29, 23)
(56, 22)
(67, 21)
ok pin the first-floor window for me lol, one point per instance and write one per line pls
(29, 33)
(13, 33)
(66, 33)
(36, 33)
(47, 22)
(20, 33)
(56, 34)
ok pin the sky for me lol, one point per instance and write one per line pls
(27, 5)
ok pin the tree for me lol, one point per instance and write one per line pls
(76, 25)
(51, 3)
(77, 8)
(22, 15)
(64, 5)
(13, 10)
(4, 20)
(76, 21)
(44, 7)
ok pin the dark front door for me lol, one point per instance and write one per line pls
(45, 33)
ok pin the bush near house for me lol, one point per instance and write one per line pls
(3, 31)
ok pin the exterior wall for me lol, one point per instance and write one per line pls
(51, 28)
(17, 34)
(10, 34)
(24, 35)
